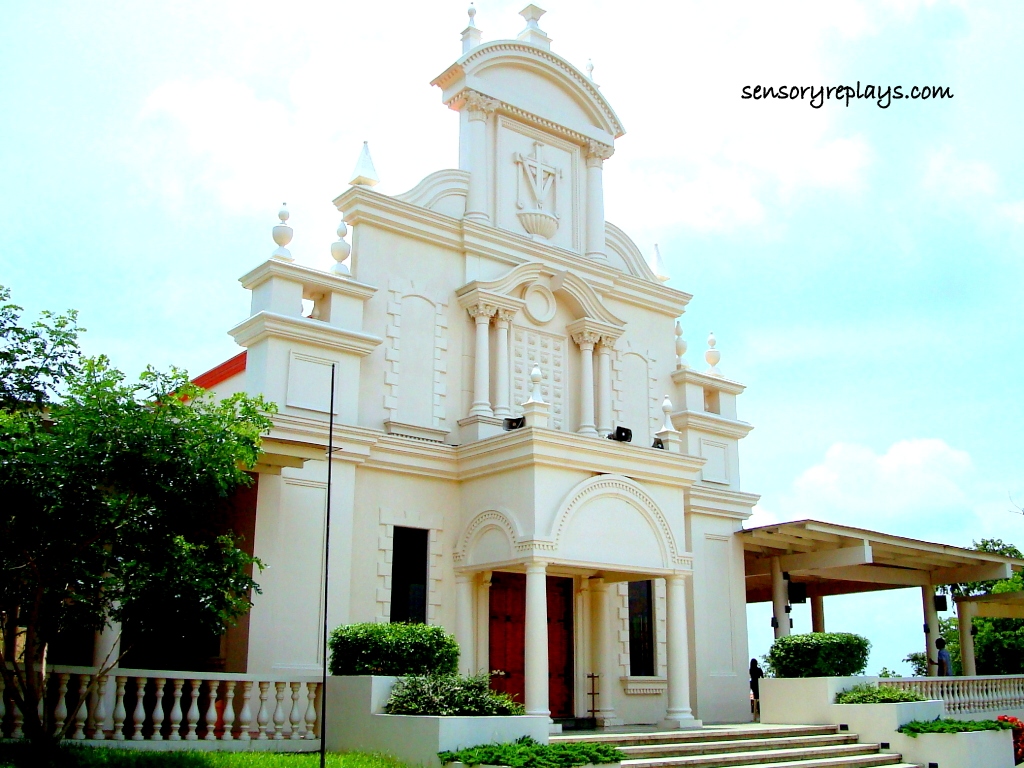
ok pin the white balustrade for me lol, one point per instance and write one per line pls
(216, 707)
(968, 695)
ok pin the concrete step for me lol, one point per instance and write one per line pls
(869, 752)
(870, 761)
(643, 738)
(736, 745)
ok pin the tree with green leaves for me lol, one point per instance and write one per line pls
(109, 491)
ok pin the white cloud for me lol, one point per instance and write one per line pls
(957, 178)
(921, 488)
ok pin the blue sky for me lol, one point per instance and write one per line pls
(861, 267)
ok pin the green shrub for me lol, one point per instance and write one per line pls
(450, 695)
(527, 753)
(392, 649)
(916, 727)
(877, 694)
(819, 654)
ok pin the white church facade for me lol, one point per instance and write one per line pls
(491, 335)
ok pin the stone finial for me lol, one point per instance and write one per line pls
(680, 347)
(712, 356)
(340, 250)
(535, 393)
(666, 407)
(590, 69)
(471, 36)
(364, 175)
(282, 236)
(657, 265)
(533, 34)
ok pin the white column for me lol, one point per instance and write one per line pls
(478, 107)
(483, 623)
(679, 714)
(586, 341)
(604, 387)
(931, 621)
(780, 599)
(596, 155)
(481, 314)
(464, 634)
(107, 646)
(965, 612)
(817, 613)
(536, 651)
(501, 322)
(605, 666)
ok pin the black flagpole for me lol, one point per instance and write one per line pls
(327, 569)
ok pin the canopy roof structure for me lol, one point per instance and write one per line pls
(837, 560)
(1008, 605)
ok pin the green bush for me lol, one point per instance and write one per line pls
(450, 695)
(877, 694)
(527, 753)
(392, 649)
(916, 727)
(819, 654)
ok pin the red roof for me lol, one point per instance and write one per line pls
(222, 372)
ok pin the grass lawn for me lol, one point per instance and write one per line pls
(18, 756)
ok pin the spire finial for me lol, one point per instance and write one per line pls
(535, 379)
(657, 265)
(680, 347)
(364, 174)
(471, 36)
(340, 250)
(533, 34)
(590, 68)
(712, 356)
(666, 407)
(282, 234)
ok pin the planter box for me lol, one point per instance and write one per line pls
(980, 749)
(803, 700)
(355, 720)
(877, 723)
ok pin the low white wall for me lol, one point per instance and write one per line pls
(803, 700)
(981, 749)
(355, 720)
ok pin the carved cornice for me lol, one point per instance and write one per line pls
(265, 325)
(515, 48)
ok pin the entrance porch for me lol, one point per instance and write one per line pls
(552, 633)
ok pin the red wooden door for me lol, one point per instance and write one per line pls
(508, 635)
(560, 657)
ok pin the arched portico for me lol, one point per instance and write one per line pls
(598, 510)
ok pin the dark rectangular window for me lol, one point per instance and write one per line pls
(409, 576)
(641, 628)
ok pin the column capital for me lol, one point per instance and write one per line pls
(596, 153)
(536, 566)
(586, 340)
(594, 332)
(471, 297)
(481, 312)
(505, 316)
(477, 105)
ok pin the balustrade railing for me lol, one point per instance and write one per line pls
(967, 695)
(157, 705)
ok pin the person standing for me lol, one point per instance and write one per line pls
(756, 673)
(944, 662)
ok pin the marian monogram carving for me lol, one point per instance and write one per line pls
(537, 193)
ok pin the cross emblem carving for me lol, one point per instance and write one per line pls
(540, 178)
